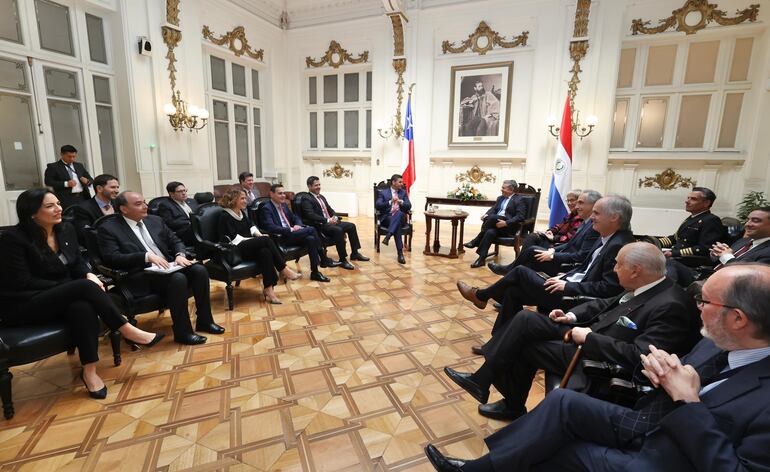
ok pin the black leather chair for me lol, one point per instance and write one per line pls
(532, 199)
(290, 252)
(203, 197)
(152, 205)
(407, 229)
(224, 263)
(129, 304)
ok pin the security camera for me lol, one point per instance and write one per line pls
(145, 46)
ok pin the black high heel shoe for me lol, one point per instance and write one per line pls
(136, 346)
(100, 394)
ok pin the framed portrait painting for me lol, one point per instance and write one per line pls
(480, 104)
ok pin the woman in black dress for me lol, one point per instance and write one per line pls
(45, 280)
(257, 247)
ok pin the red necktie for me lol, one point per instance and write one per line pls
(323, 207)
(393, 205)
(743, 250)
(283, 216)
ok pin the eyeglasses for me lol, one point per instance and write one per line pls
(700, 302)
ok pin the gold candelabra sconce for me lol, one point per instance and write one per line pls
(183, 116)
(581, 130)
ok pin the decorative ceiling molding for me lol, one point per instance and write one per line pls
(667, 180)
(335, 56)
(578, 48)
(699, 13)
(483, 40)
(236, 42)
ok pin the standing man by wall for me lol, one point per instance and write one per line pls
(68, 179)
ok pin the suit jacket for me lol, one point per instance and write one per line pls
(270, 219)
(384, 198)
(312, 213)
(760, 253)
(121, 248)
(600, 280)
(729, 429)
(56, 175)
(174, 216)
(695, 235)
(26, 269)
(665, 316)
(578, 248)
(515, 211)
(251, 195)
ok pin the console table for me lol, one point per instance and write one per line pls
(457, 202)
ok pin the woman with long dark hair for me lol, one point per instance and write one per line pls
(234, 222)
(45, 280)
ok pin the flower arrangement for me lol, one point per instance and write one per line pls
(466, 192)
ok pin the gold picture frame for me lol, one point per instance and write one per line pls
(480, 104)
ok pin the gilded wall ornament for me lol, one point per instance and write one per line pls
(236, 42)
(396, 20)
(667, 180)
(578, 49)
(172, 12)
(475, 175)
(335, 56)
(693, 17)
(484, 39)
(172, 36)
(399, 65)
(337, 171)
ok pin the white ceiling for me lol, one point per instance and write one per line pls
(315, 12)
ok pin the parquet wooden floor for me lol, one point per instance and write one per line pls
(344, 376)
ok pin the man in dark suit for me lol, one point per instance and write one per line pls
(176, 210)
(276, 218)
(595, 277)
(106, 189)
(246, 181)
(316, 211)
(503, 219)
(393, 204)
(753, 247)
(550, 259)
(68, 179)
(655, 310)
(698, 231)
(137, 240)
(709, 411)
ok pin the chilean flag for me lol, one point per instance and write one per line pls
(407, 157)
(561, 181)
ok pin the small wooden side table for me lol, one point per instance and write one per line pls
(456, 247)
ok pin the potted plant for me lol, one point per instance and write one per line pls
(751, 201)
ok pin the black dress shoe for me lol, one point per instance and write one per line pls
(499, 411)
(100, 394)
(463, 380)
(347, 265)
(212, 328)
(190, 339)
(319, 277)
(357, 256)
(386, 240)
(498, 269)
(135, 346)
(477, 350)
(326, 263)
(497, 306)
(470, 244)
(441, 462)
(401, 259)
(478, 263)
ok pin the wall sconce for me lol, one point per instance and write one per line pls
(579, 129)
(395, 129)
(180, 115)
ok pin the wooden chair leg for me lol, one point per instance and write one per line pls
(5, 392)
(115, 343)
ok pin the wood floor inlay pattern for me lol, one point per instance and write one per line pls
(344, 376)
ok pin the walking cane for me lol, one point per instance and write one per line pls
(572, 363)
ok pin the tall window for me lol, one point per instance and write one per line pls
(339, 110)
(686, 96)
(72, 100)
(234, 91)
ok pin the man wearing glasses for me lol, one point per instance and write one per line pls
(709, 410)
(176, 211)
